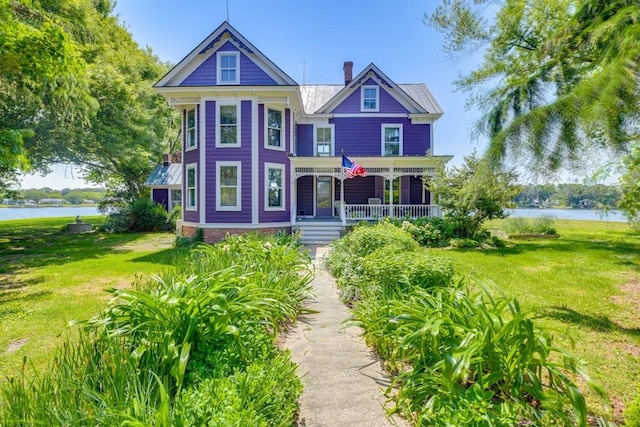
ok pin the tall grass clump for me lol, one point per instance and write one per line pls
(192, 346)
(544, 225)
(462, 353)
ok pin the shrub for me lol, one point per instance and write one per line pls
(142, 214)
(632, 413)
(464, 243)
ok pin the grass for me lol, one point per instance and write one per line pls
(584, 286)
(48, 278)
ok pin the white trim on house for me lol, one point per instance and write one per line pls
(239, 225)
(386, 126)
(223, 103)
(332, 143)
(219, 69)
(363, 107)
(238, 205)
(202, 183)
(282, 146)
(255, 163)
(283, 188)
(187, 134)
(189, 206)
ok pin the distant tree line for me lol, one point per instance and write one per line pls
(577, 196)
(70, 196)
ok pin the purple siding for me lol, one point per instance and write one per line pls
(362, 136)
(416, 189)
(277, 157)
(404, 190)
(250, 73)
(388, 104)
(191, 156)
(358, 190)
(161, 196)
(304, 141)
(305, 195)
(241, 154)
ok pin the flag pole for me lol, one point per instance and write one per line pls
(342, 215)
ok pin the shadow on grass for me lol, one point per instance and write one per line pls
(596, 323)
(163, 257)
(37, 246)
(19, 297)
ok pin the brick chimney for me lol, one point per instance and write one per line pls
(348, 72)
(166, 159)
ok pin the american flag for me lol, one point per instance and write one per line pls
(352, 169)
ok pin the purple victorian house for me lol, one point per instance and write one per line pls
(261, 152)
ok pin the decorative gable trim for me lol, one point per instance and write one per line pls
(202, 52)
(241, 45)
(371, 71)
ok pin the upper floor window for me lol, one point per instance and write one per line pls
(392, 140)
(228, 67)
(228, 129)
(370, 98)
(191, 141)
(228, 188)
(274, 187)
(324, 141)
(274, 129)
(192, 188)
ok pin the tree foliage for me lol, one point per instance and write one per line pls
(557, 75)
(473, 193)
(76, 88)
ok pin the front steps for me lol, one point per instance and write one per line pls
(318, 232)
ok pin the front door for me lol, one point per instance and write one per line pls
(324, 207)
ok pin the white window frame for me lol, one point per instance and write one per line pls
(386, 126)
(219, 143)
(188, 205)
(219, 56)
(283, 187)
(238, 206)
(362, 92)
(190, 144)
(315, 138)
(283, 138)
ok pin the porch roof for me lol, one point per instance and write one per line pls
(388, 167)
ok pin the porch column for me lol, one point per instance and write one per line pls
(293, 195)
(343, 217)
(391, 179)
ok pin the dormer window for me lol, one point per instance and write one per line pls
(370, 98)
(228, 67)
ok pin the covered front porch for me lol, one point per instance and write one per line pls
(393, 187)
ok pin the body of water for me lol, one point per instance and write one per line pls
(48, 212)
(580, 214)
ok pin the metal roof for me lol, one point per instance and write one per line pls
(168, 175)
(315, 96)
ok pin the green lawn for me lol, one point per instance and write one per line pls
(585, 288)
(48, 278)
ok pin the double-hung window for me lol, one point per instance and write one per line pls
(228, 188)
(176, 198)
(274, 129)
(324, 141)
(228, 130)
(392, 140)
(228, 67)
(274, 187)
(369, 96)
(192, 187)
(191, 141)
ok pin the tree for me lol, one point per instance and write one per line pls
(473, 193)
(557, 76)
(630, 182)
(75, 88)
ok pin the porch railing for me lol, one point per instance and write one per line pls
(374, 212)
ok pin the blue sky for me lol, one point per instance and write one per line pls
(310, 40)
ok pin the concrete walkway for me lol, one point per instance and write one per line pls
(343, 380)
